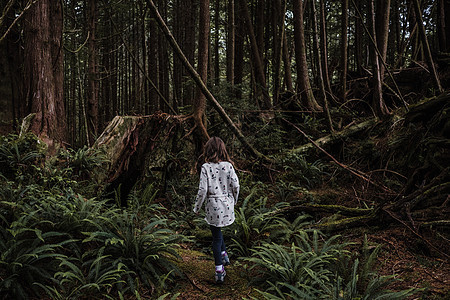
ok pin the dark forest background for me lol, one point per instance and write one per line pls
(335, 113)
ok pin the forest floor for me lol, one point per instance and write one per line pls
(414, 260)
(399, 257)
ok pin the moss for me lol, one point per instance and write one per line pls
(199, 284)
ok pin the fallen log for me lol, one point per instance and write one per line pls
(313, 208)
(334, 137)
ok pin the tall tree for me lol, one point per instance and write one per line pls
(287, 65)
(442, 38)
(322, 92)
(278, 20)
(202, 69)
(382, 30)
(217, 42)
(259, 67)
(426, 45)
(303, 83)
(231, 41)
(359, 40)
(92, 95)
(43, 70)
(378, 103)
(344, 47)
(324, 48)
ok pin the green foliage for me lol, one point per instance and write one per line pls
(28, 257)
(291, 232)
(18, 154)
(145, 252)
(85, 161)
(254, 220)
(304, 173)
(93, 279)
(55, 240)
(319, 269)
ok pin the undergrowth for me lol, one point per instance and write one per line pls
(60, 238)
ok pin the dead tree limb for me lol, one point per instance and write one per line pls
(354, 171)
(334, 137)
(201, 85)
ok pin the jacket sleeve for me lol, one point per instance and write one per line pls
(234, 185)
(202, 190)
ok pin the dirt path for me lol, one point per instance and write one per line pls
(200, 284)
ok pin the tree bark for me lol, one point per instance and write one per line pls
(334, 137)
(303, 83)
(447, 25)
(43, 70)
(287, 65)
(359, 41)
(426, 46)
(278, 14)
(231, 41)
(377, 99)
(442, 38)
(199, 114)
(344, 56)
(216, 43)
(259, 68)
(382, 30)
(92, 101)
(324, 48)
(323, 94)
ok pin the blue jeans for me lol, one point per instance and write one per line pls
(218, 245)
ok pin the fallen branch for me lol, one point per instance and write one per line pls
(350, 211)
(354, 171)
(395, 217)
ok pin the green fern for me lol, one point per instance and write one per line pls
(254, 220)
(147, 252)
(27, 257)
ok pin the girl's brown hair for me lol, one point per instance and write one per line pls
(215, 151)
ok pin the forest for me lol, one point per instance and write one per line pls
(336, 115)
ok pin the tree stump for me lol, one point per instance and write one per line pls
(138, 150)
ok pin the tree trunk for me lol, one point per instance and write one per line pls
(43, 70)
(287, 65)
(138, 151)
(447, 25)
(241, 32)
(323, 93)
(344, 65)
(92, 94)
(216, 43)
(163, 64)
(382, 30)
(259, 68)
(278, 14)
(303, 84)
(359, 41)
(426, 45)
(231, 42)
(378, 104)
(442, 38)
(199, 114)
(153, 66)
(324, 48)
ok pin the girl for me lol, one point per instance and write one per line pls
(219, 186)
